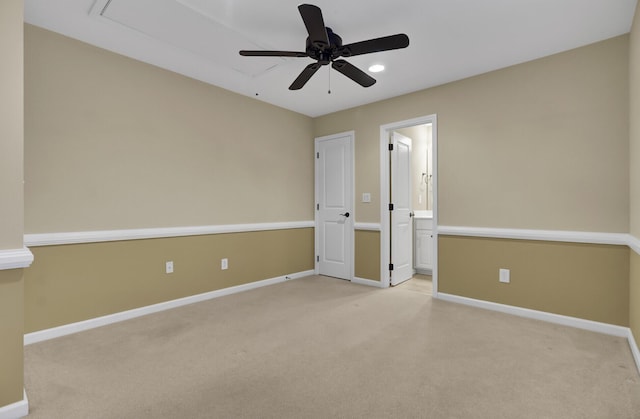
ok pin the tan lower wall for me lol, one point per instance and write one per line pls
(11, 332)
(71, 283)
(634, 296)
(367, 255)
(586, 281)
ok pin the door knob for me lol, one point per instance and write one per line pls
(346, 214)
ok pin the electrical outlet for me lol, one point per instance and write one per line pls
(224, 264)
(505, 276)
(169, 267)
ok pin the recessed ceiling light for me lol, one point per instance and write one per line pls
(376, 68)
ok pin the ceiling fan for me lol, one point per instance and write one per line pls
(325, 46)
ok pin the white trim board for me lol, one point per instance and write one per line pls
(593, 326)
(16, 410)
(367, 226)
(71, 328)
(634, 244)
(51, 239)
(15, 258)
(544, 235)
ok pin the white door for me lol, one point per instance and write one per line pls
(334, 206)
(401, 215)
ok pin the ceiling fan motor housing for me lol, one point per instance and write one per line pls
(322, 52)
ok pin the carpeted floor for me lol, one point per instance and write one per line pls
(319, 347)
(419, 283)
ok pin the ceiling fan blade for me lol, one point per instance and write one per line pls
(304, 77)
(385, 43)
(312, 17)
(354, 73)
(248, 53)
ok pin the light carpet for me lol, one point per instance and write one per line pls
(319, 347)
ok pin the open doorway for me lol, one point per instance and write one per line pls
(421, 187)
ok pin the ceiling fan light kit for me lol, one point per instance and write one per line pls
(325, 47)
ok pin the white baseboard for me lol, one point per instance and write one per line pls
(16, 410)
(71, 328)
(607, 329)
(368, 282)
(634, 349)
(604, 328)
(424, 271)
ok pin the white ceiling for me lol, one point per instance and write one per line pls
(449, 39)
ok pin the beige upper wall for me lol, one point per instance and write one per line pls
(113, 143)
(540, 145)
(634, 124)
(11, 124)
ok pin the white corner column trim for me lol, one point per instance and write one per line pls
(16, 410)
(15, 258)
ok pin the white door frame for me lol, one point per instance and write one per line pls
(385, 226)
(351, 241)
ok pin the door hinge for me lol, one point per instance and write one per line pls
(317, 258)
(391, 266)
(390, 147)
(390, 207)
(318, 155)
(317, 207)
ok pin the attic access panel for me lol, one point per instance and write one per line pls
(175, 23)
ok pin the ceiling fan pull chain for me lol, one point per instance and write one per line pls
(329, 81)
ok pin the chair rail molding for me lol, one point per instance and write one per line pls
(543, 235)
(15, 258)
(367, 226)
(51, 239)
